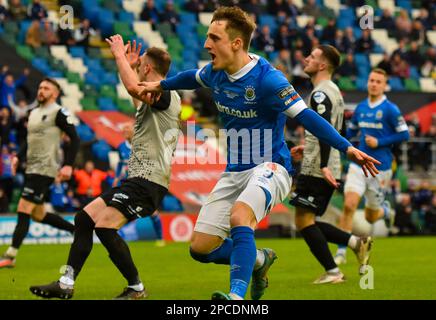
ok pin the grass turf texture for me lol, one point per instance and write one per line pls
(404, 268)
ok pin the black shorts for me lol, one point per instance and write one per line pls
(135, 197)
(312, 193)
(36, 188)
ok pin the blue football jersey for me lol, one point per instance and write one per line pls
(251, 103)
(380, 120)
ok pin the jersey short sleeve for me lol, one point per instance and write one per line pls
(204, 76)
(280, 95)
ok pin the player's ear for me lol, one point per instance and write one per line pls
(237, 43)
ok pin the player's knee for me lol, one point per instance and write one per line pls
(83, 221)
(371, 215)
(349, 207)
(242, 215)
(37, 217)
(199, 256)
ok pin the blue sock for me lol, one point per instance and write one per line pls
(220, 255)
(157, 225)
(242, 259)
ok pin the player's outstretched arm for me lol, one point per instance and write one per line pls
(127, 74)
(325, 132)
(185, 80)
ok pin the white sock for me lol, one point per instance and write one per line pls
(234, 296)
(66, 281)
(260, 259)
(352, 243)
(335, 270)
(137, 287)
(12, 252)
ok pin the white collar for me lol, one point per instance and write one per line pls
(245, 69)
(377, 103)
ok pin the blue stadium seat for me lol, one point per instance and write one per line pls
(106, 104)
(106, 21)
(1, 30)
(361, 59)
(85, 133)
(184, 31)
(414, 73)
(404, 4)
(41, 64)
(378, 49)
(55, 74)
(91, 10)
(396, 84)
(125, 16)
(110, 78)
(100, 150)
(361, 83)
(24, 26)
(78, 52)
(93, 79)
(188, 19)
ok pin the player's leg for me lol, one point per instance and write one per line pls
(210, 241)
(25, 208)
(376, 206)
(106, 228)
(267, 185)
(355, 186)
(54, 220)
(315, 239)
(157, 226)
(79, 251)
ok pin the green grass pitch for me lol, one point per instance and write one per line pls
(404, 268)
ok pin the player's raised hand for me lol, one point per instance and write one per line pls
(365, 161)
(116, 44)
(328, 176)
(297, 153)
(133, 53)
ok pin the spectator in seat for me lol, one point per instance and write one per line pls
(3, 13)
(195, 6)
(400, 67)
(48, 35)
(348, 68)
(36, 11)
(283, 39)
(403, 215)
(329, 32)
(350, 38)
(89, 182)
(283, 63)
(149, 13)
(413, 56)
(403, 24)
(430, 216)
(265, 42)
(33, 35)
(170, 15)
(385, 64)
(6, 178)
(65, 37)
(83, 33)
(58, 195)
(365, 44)
(8, 85)
(418, 33)
(17, 11)
(311, 9)
(386, 21)
(428, 153)
(341, 43)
